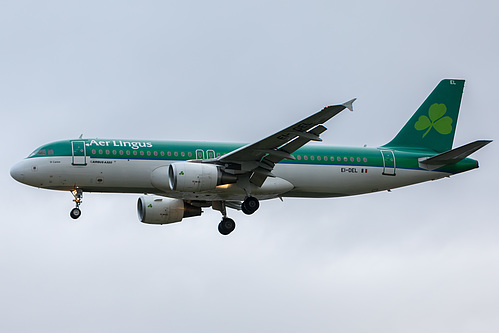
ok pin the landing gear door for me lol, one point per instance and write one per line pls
(79, 153)
(388, 162)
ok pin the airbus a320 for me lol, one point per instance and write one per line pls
(180, 179)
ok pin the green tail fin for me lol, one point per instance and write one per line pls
(433, 125)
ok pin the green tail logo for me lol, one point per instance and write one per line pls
(436, 120)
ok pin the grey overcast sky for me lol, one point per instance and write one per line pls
(421, 258)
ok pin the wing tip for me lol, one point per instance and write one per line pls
(349, 104)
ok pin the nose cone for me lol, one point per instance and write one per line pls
(17, 172)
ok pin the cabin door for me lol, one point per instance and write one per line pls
(388, 162)
(79, 153)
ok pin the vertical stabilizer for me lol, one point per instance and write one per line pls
(433, 125)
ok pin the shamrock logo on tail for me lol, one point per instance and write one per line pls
(441, 124)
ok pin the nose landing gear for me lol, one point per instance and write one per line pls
(78, 199)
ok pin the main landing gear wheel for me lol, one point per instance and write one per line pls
(75, 213)
(226, 226)
(250, 205)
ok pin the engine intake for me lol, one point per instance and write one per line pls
(159, 210)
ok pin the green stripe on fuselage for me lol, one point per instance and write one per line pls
(185, 150)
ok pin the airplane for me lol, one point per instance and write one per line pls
(180, 179)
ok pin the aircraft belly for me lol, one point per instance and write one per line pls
(99, 175)
(271, 188)
(123, 175)
(296, 180)
(335, 181)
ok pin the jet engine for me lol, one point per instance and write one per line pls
(194, 177)
(159, 210)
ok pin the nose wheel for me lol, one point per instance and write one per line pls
(78, 199)
(75, 213)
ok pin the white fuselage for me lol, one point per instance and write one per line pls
(134, 176)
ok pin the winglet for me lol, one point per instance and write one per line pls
(349, 104)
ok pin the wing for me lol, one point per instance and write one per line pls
(260, 157)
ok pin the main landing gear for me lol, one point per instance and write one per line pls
(250, 205)
(227, 225)
(78, 199)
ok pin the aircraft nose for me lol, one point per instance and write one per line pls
(17, 172)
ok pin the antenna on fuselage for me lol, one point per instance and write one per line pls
(81, 136)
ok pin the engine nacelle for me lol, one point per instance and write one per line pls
(195, 177)
(159, 210)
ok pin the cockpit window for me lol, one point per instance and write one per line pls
(42, 152)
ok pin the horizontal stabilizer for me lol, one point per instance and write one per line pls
(452, 156)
